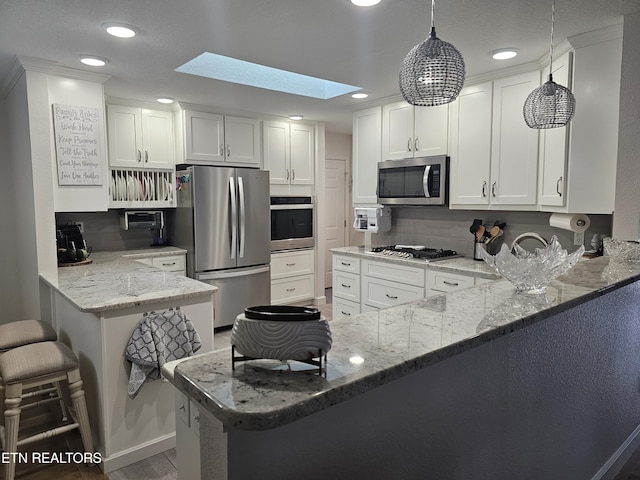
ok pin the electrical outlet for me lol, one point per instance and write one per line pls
(80, 226)
(578, 238)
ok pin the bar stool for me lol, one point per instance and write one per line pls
(24, 332)
(31, 366)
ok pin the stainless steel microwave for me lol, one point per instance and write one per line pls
(415, 181)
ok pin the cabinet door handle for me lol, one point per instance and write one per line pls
(558, 185)
(345, 286)
(484, 189)
(222, 150)
(146, 156)
(293, 174)
(228, 150)
(287, 174)
(291, 264)
(346, 264)
(493, 189)
(409, 145)
(416, 144)
(453, 284)
(291, 289)
(345, 313)
(139, 156)
(392, 297)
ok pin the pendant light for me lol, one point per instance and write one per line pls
(433, 71)
(550, 105)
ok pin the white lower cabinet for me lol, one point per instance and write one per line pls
(170, 263)
(441, 282)
(346, 286)
(187, 438)
(385, 284)
(292, 276)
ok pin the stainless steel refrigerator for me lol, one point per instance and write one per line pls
(222, 219)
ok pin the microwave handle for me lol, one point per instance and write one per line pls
(425, 181)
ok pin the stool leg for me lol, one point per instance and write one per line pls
(80, 406)
(62, 405)
(12, 422)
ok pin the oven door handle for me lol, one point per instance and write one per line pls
(425, 181)
(303, 206)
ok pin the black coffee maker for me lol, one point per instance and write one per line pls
(71, 245)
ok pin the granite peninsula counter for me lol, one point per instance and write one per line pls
(478, 383)
(95, 309)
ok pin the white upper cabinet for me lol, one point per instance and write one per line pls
(289, 153)
(219, 139)
(514, 147)
(367, 152)
(140, 138)
(409, 131)
(471, 145)
(554, 143)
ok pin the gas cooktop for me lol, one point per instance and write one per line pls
(415, 251)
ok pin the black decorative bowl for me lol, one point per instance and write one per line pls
(287, 313)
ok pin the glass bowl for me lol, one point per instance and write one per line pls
(622, 251)
(532, 272)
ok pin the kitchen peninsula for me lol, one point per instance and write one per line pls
(479, 383)
(95, 309)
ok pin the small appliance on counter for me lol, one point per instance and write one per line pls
(71, 246)
(376, 219)
(146, 220)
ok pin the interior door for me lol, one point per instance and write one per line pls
(254, 217)
(334, 211)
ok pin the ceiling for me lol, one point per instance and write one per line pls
(331, 39)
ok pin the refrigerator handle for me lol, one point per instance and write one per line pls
(242, 216)
(234, 216)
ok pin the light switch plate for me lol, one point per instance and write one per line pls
(578, 238)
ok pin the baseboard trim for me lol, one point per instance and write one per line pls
(612, 467)
(140, 452)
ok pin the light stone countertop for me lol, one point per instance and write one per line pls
(116, 280)
(461, 265)
(375, 348)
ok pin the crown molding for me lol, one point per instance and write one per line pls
(612, 32)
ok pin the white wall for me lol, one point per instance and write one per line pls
(626, 218)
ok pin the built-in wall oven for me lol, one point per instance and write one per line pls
(291, 222)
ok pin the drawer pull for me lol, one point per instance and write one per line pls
(345, 313)
(291, 289)
(291, 264)
(168, 264)
(453, 284)
(346, 264)
(345, 286)
(392, 297)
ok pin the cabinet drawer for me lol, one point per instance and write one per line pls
(346, 264)
(173, 263)
(287, 264)
(382, 293)
(393, 272)
(345, 308)
(346, 286)
(448, 282)
(292, 290)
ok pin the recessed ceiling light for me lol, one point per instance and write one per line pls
(360, 95)
(365, 3)
(295, 117)
(121, 30)
(504, 53)
(94, 61)
(165, 100)
(233, 70)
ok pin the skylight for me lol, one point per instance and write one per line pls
(233, 70)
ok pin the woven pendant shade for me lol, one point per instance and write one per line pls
(432, 73)
(549, 106)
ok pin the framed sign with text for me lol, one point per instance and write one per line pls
(77, 138)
